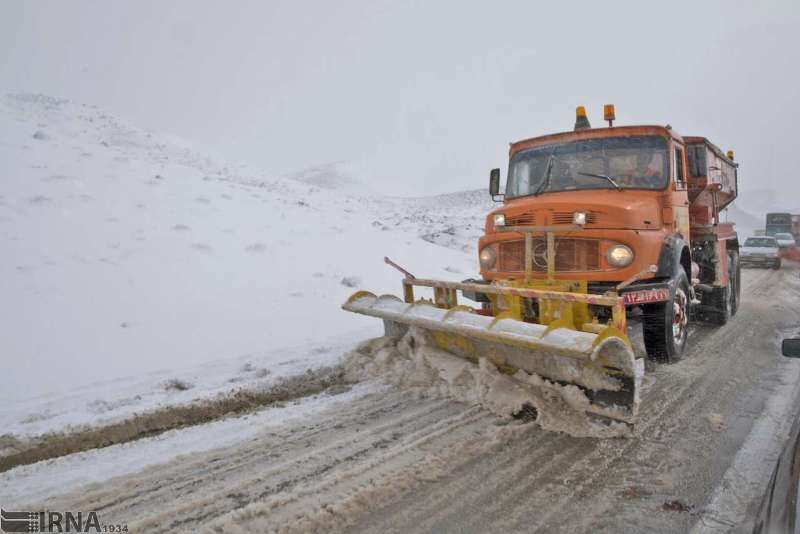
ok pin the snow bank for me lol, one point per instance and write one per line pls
(37, 482)
(413, 362)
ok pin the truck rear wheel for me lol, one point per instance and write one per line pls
(724, 301)
(665, 324)
(719, 306)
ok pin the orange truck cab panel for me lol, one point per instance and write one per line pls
(635, 187)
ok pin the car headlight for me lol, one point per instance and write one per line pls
(499, 219)
(619, 256)
(579, 218)
(488, 258)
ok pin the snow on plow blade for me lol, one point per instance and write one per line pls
(603, 366)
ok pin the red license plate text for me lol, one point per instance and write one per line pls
(644, 296)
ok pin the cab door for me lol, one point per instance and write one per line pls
(676, 205)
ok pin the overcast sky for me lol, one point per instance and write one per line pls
(421, 97)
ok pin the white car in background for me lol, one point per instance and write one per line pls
(760, 250)
(785, 240)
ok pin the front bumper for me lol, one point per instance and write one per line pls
(759, 260)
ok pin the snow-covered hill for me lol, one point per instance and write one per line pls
(129, 258)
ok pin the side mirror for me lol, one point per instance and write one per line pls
(494, 182)
(791, 348)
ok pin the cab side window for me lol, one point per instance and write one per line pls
(680, 176)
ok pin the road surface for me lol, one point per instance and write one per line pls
(399, 462)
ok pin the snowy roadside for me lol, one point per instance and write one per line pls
(139, 273)
(32, 483)
(744, 483)
(111, 401)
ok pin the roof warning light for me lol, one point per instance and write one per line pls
(581, 121)
(608, 114)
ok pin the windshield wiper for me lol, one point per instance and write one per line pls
(546, 180)
(604, 177)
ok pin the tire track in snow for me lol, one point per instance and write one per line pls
(680, 404)
(248, 458)
(707, 368)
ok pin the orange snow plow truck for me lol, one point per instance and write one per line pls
(597, 226)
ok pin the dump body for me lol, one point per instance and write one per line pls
(713, 179)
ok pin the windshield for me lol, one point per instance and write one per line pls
(784, 236)
(760, 242)
(638, 162)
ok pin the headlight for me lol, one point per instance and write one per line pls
(499, 219)
(619, 256)
(579, 218)
(488, 258)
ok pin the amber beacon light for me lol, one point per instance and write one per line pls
(608, 114)
(581, 121)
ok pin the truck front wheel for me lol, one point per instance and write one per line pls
(665, 324)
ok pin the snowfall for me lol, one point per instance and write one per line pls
(137, 272)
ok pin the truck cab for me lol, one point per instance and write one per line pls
(632, 210)
(623, 188)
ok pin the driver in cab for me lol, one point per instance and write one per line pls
(645, 169)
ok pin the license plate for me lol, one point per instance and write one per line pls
(644, 296)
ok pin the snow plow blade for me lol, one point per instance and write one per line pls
(601, 364)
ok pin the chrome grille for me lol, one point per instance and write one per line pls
(512, 256)
(558, 217)
(524, 219)
(572, 255)
(565, 217)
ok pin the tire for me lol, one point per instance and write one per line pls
(723, 302)
(665, 325)
(718, 306)
(777, 265)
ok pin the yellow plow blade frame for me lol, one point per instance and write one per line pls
(602, 365)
